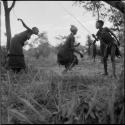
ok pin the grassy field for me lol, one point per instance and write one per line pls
(81, 96)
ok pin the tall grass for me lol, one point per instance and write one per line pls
(43, 96)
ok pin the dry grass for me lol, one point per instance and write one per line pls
(44, 96)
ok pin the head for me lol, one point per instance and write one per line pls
(99, 24)
(35, 30)
(73, 29)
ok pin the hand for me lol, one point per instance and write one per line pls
(118, 43)
(78, 44)
(94, 42)
(93, 35)
(26, 43)
(19, 19)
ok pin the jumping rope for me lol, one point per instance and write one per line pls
(15, 14)
(74, 17)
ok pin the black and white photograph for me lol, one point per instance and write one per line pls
(62, 62)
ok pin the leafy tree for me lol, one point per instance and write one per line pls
(98, 8)
(43, 48)
(42, 38)
(116, 17)
(120, 5)
(61, 39)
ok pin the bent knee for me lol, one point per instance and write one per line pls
(113, 58)
(105, 58)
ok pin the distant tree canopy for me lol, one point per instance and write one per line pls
(99, 9)
(43, 47)
(96, 7)
(61, 39)
(120, 5)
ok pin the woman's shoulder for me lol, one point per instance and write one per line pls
(21, 33)
(105, 28)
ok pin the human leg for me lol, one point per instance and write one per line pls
(73, 62)
(105, 57)
(113, 51)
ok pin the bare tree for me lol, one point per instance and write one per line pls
(7, 21)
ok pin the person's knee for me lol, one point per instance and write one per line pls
(104, 59)
(76, 62)
(112, 58)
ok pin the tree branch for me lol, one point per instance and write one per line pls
(118, 5)
(5, 5)
(13, 4)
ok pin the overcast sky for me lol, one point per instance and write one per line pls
(49, 16)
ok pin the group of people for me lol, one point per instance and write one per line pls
(66, 55)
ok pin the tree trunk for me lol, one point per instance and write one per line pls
(8, 30)
(98, 12)
(97, 7)
(7, 22)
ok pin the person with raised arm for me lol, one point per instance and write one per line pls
(16, 60)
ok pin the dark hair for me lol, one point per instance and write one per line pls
(101, 22)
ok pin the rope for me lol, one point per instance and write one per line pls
(14, 14)
(74, 18)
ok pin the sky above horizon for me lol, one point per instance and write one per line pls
(49, 16)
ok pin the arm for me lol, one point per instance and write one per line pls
(24, 24)
(113, 35)
(78, 53)
(96, 38)
(72, 47)
(77, 45)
